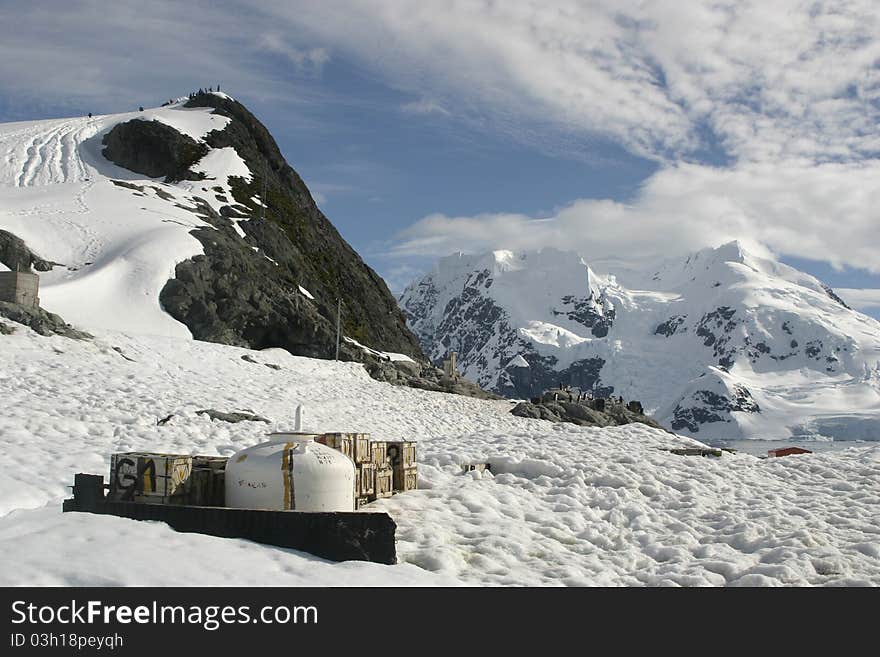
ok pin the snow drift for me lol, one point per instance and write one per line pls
(563, 505)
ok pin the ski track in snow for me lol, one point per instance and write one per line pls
(47, 154)
(564, 505)
(117, 246)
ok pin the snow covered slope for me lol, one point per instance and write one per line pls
(724, 344)
(564, 505)
(116, 249)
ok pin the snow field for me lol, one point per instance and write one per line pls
(564, 505)
(116, 246)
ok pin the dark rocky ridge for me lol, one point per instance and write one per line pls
(153, 149)
(233, 295)
(560, 409)
(245, 291)
(41, 321)
(242, 298)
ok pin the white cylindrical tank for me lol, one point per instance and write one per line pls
(290, 471)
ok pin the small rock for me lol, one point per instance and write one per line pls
(233, 417)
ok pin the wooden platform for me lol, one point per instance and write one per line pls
(338, 536)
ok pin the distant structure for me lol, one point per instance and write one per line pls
(787, 451)
(20, 287)
(449, 366)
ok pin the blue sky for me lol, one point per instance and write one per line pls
(632, 130)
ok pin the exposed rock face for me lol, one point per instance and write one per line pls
(153, 149)
(15, 254)
(41, 321)
(584, 311)
(425, 377)
(581, 413)
(480, 307)
(236, 295)
(232, 417)
(700, 340)
(707, 407)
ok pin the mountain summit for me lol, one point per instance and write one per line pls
(186, 220)
(724, 343)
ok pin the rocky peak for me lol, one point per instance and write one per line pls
(243, 291)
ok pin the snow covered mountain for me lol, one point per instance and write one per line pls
(724, 344)
(185, 220)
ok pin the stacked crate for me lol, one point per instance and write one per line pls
(382, 468)
(366, 469)
(384, 473)
(343, 442)
(208, 481)
(167, 478)
(402, 455)
(150, 478)
(355, 446)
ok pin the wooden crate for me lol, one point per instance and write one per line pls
(360, 502)
(208, 481)
(366, 479)
(405, 478)
(362, 451)
(355, 446)
(384, 483)
(153, 478)
(402, 453)
(339, 441)
(379, 452)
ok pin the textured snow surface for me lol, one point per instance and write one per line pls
(563, 505)
(116, 246)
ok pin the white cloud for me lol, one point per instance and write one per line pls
(322, 192)
(785, 93)
(772, 80)
(424, 106)
(823, 212)
(107, 57)
(860, 299)
(309, 60)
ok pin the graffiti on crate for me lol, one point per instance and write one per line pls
(147, 475)
(180, 473)
(126, 478)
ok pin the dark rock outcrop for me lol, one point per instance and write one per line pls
(424, 377)
(540, 375)
(41, 321)
(233, 417)
(235, 295)
(587, 312)
(15, 254)
(833, 295)
(246, 291)
(707, 407)
(581, 413)
(153, 149)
